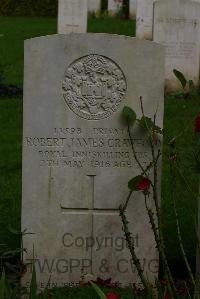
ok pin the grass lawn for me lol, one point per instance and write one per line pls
(179, 115)
(14, 30)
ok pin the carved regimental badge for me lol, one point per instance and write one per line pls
(94, 86)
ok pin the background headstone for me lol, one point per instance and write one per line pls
(133, 8)
(72, 16)
(94, 5)
(144, 19)
(77, 155)
(177, 27)
(114, 6)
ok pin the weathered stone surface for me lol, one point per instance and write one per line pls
(177, 27)
(114, 6)
(72, 16)
(144, 19)
(77, 156)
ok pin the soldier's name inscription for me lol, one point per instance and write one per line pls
(95, 147)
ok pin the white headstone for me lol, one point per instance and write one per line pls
(77, 156)
(144, 19)
(72, 16)
(132, 9)
(94, 5)
(114, 6)
(177, 27)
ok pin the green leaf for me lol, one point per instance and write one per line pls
(33, 286)
(191, 85)
(129, 114)
(10, 253)
(180, 77)
(193, 90)
(134, 182)
(98, 291)
(148, 124)
(45, 294)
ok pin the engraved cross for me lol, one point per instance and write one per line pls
(90, 210)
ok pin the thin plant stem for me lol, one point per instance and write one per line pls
(124, 207)
(144, 171)
(161, 244)
(152, 221)
(131, 247)
(195, 196)
(134, 152)
(173, 183)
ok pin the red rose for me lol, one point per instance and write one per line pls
(143, 185)
(112, 296)
(173, 157)
(197, 124)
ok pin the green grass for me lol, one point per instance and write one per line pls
(178, 115)
(10, 168)
(14, 30)
(110, 25)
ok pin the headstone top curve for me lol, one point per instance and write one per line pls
(95, 36)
